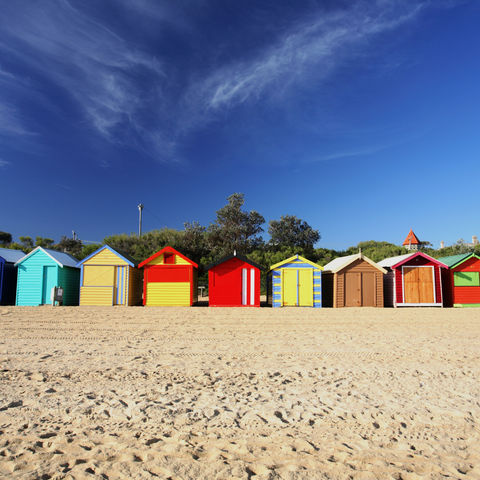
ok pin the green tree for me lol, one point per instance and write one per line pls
(44, 242)
(27, 242)
(88, 250)
(5, 238)
(291, 231)
(70, 246)
(377, 251)
(235, 229)
(194, 241)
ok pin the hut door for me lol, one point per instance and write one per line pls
(418, 285)
(119, 293)
(368, 289)
(289, 287)
(49, 281)
(248, 286)
(353, 289)
(305, 287)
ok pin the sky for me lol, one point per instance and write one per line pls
(360, 117)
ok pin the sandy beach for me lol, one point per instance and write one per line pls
(204, 393)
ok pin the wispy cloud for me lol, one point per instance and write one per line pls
(309, 51)
(4, 163)
(134, 97)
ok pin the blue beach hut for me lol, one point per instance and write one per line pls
(295, 282)
(8, 275)
(40, 271)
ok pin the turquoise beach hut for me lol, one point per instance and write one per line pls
(40, 271)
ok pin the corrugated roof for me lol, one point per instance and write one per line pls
(10, 255)
(341, 262)
(453, 259)
(63, 259)
(338, 263)
(388, 262)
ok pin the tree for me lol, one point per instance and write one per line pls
(235, 229)
(27, 242)
(44, 242)
(194, 241)
(69, 245)
(291, 231)
(5, 238)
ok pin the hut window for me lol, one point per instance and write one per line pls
(466, 279)
(169, 258)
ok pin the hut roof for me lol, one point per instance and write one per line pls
(166, 250)
(453, 260)
(63, 259)
(390, 261)
(292, 259)
(131, 261)
(240, 257)
(394, 262)
(11, 256)
(341, 262)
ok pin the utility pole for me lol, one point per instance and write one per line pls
(140, 209)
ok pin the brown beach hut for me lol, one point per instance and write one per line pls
(352, 281)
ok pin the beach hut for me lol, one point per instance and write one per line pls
(353, 281)
(463, 279)
(40, 271)
(413, 280)
(110, 277)
(170, 279)
(8, 275)
(295, 282)
(234, 281)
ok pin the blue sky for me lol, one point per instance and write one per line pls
(359, 117)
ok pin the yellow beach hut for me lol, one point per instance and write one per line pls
(109, 277)
(295, 282)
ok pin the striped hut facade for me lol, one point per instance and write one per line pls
(295, 282)
(109, 277)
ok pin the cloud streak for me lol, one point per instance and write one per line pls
(132, 95)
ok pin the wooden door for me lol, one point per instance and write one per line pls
(353, 289)
(418, 285)
(368, 289)
(305, 287)
(289, 286)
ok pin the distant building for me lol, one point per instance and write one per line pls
(411, 242)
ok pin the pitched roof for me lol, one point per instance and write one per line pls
(411, 239)
(453, 260)
(388, 262)
(340, 263)
(240, 257)
(10, 255)
(63, 259)
(168, 250)
(292, 259)
(132, 262)
(400, 261)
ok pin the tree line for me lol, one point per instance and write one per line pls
(234, 229)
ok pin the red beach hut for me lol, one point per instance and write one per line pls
(234, 281)
(415, 281)
(170, 279)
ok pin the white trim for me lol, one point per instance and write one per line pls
(252, 286)
(394, 288)
(244, 286)
(419, 305)
(403, 284)
(33, 251)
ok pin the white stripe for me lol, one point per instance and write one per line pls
(252, 286)
(244, 286)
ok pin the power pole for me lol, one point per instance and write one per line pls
(140, 209)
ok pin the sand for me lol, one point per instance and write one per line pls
(204, 393)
